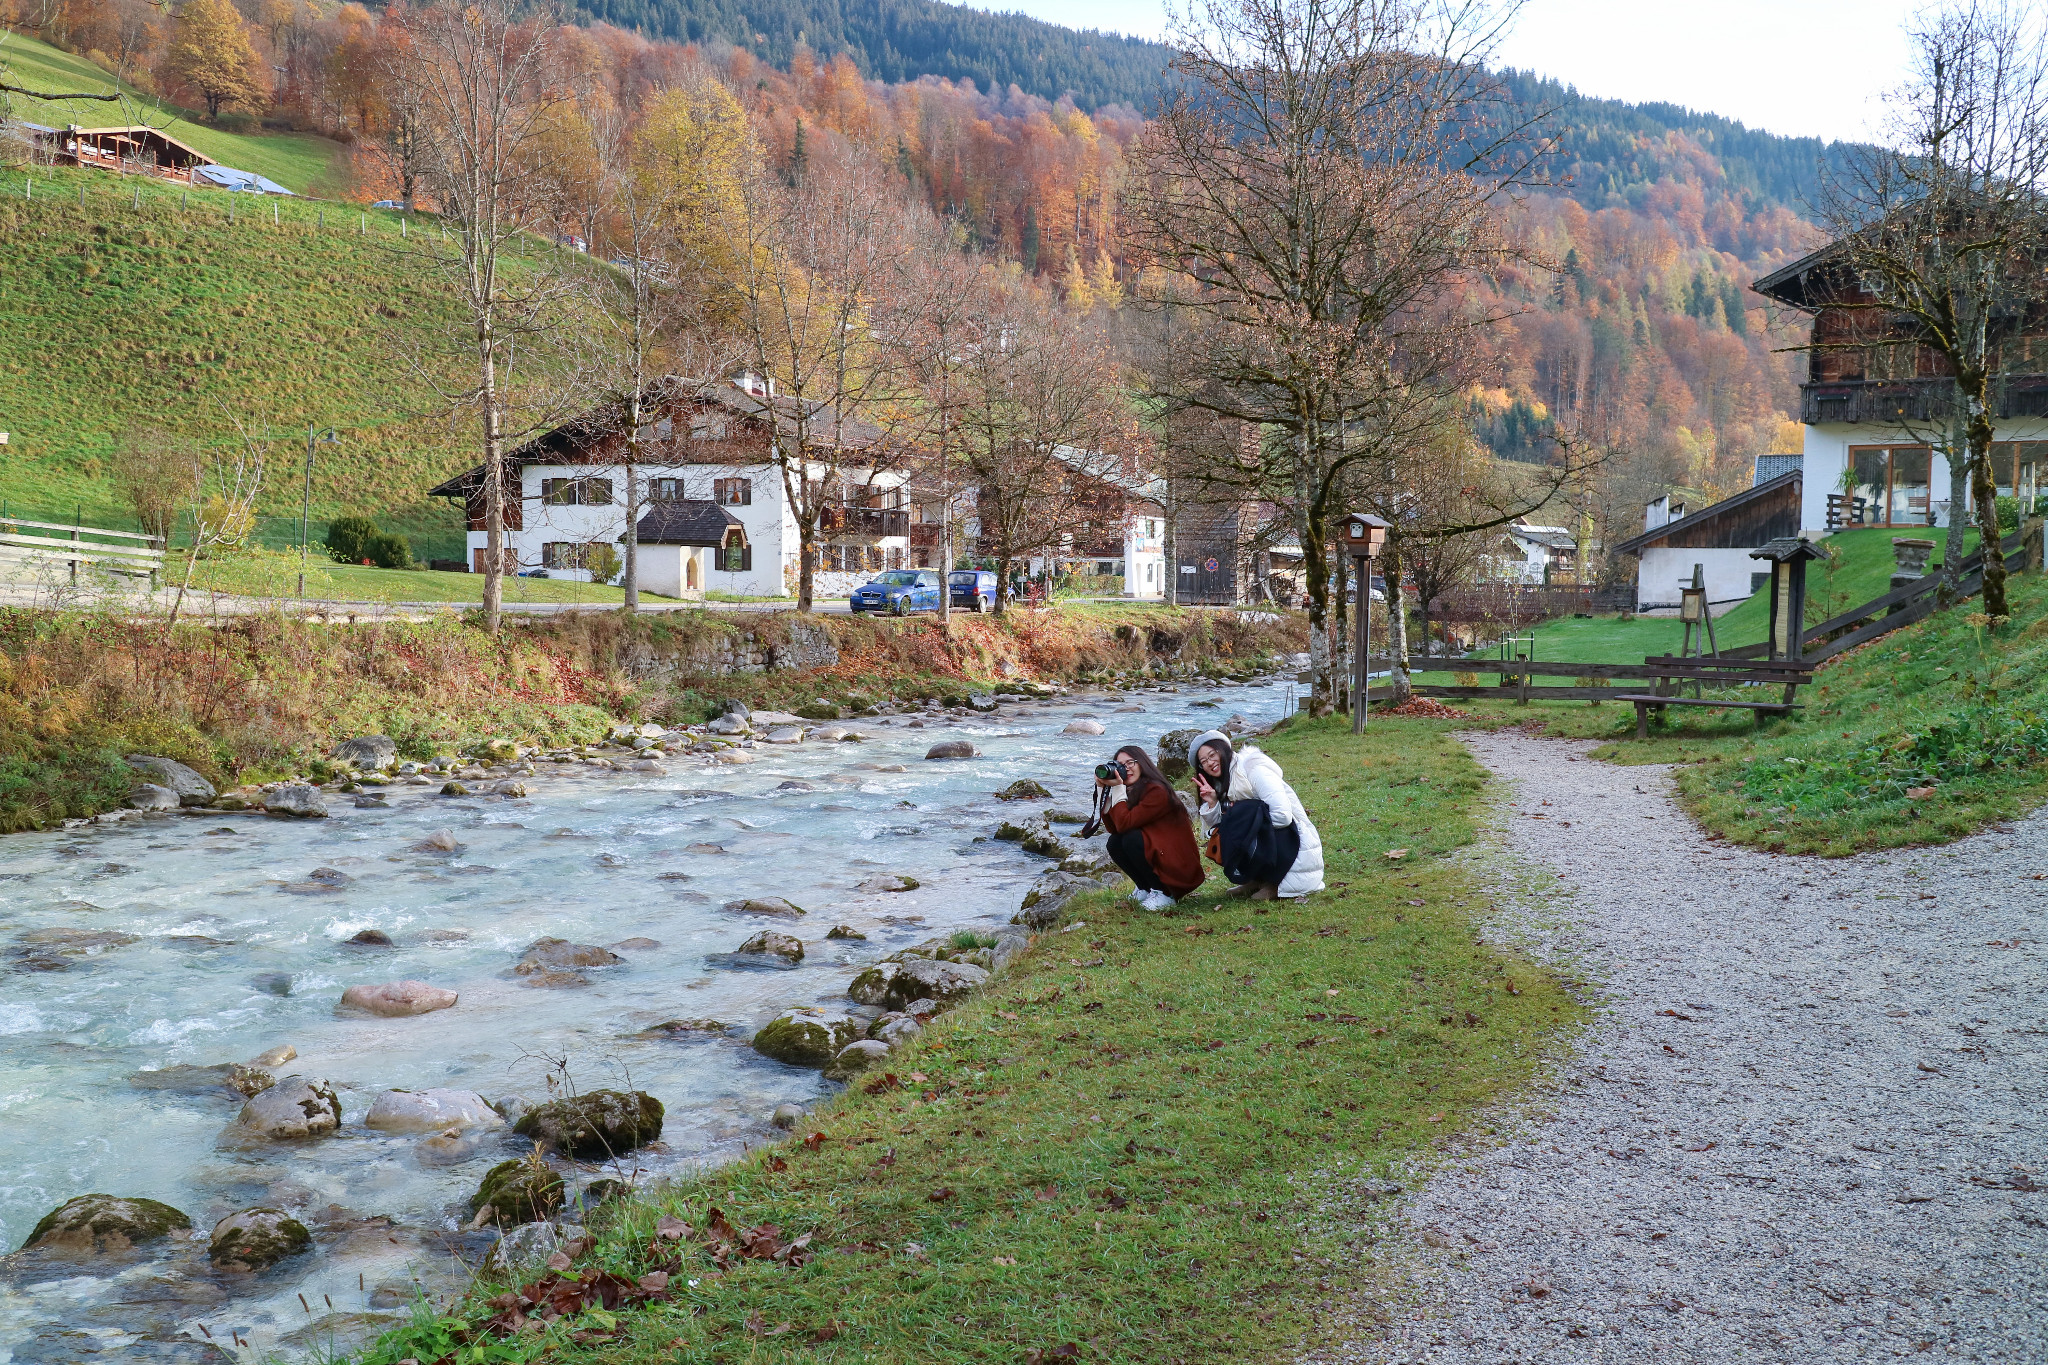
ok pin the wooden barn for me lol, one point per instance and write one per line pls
(134, 149)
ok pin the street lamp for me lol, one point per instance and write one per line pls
(313, 437)
(1364, 535)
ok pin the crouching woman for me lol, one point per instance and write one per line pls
(1267, 844)
(1150, 835)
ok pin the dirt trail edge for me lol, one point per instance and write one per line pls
(1811, 1123)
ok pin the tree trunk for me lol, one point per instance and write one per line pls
(1315, 567)
(1397, 624)
(1172, 551)
(1983, 481)
(494, 489)
(1002, 584)
(1340, 634)
(806, 562)
(629, 576)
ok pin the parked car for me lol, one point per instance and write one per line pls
(899, 592)
(391, 204)
(974, 588)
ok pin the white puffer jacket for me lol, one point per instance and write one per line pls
(1254, 775)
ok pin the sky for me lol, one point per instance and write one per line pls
(1744, 59)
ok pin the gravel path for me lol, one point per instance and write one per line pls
(1810, 1125)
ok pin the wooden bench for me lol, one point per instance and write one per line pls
(1644, 701)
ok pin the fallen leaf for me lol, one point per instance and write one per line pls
(1676, 1015)
(940, 1195)
(654, 1281)
(917, 1076)
(815, 1140)
(1919, 793)
(1395, 855)
(1003, 1260)
(776, 1163)
(670, 1228)
(887, 1081)
(558, 1261)
(824, 1334)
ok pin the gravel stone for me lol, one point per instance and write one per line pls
(1804, 1127)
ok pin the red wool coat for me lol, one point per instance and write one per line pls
(1169, 836)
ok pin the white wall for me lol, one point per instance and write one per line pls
(1662, 569)
(1145, 556)
(1827, 455)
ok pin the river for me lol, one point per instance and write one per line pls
(236, 949)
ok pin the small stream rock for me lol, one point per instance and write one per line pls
(294, 1108)
(594, 1126)
(255, 1238)
(398, 999)
(517, 1191)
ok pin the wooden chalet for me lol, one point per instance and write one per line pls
(1720, 540)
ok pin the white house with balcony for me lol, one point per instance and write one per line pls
(708, 479)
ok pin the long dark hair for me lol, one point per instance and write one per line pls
(1148, 771)
(1220, 783)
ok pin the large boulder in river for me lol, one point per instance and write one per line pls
(1173, 755)
(366, 751)
(560, 955)
(766, 905)
(952, 748)
(396, 999)
(252, 1239)
(1023, 789)
(892, 985)
(149, 796)
(521, 1190)
(99, 1224)
(192, 789)
(295, 801)
(429, 1111)
(806, 1036)
(768, 941)
(293, 1108)
(1082, 726)
(1048, 896)
(594, 1126)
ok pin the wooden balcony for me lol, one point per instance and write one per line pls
(1883, 402)
(862, 523)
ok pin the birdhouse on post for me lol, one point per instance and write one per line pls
(1787, 558)
(1364, 534)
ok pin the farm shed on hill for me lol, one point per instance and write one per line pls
(133, 148)
(1718, 538)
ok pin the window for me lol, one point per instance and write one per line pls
(733, 492)
(1890, 486)
(585, 492)
(568, 554)
(2030, 455)
(665, 490)
(737, 559)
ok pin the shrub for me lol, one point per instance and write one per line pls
(346, 538)
(388, 550)
(603, 562)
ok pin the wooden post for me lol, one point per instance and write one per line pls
(1362, 669)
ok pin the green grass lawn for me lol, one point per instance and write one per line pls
(301, 162)
(1144, 1143)
(171, 316)
(1862, 571)
(1921, 736)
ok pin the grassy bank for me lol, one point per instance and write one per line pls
(1923, 736)
(1145, 1143)
(260, 696)
(315, 319)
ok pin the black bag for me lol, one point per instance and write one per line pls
(1255, 850)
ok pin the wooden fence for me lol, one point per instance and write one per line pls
(125, 552)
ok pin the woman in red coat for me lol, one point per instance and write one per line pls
(1150, 835)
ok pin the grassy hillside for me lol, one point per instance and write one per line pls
(301, 162)
(115, 318)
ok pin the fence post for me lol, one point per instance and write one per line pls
(77, 519)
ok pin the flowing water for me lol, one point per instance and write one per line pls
(236, 950)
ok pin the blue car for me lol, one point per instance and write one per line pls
(898, 592)
(974, 589)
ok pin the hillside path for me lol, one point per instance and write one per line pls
(1810, 1123)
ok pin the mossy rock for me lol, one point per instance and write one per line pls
(518, 1191)
(597, 1125)
(806, 1037)
(98, 1224)
(1173, 753)
(818, 711)
(255, 1238)
(1023, 789)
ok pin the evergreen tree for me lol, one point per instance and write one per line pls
(210, 52)
(798, 157)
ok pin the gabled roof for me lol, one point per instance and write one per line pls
(1550, 537)
(689, 521)
(1791, 284)
(579, 434)
(1706, 515)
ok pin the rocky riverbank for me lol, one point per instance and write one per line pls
(298, 1123)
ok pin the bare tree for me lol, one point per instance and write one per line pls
(223, 490)
(819, 271)
(154, 472)
(1942, 235)
(1325, 171)
(481, 74)
(1042, 427)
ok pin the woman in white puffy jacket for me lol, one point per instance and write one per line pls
(1225, 775)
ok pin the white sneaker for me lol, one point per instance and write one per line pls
(1138, 894)
(1156, 900)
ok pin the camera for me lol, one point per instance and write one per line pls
(1108, 772)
